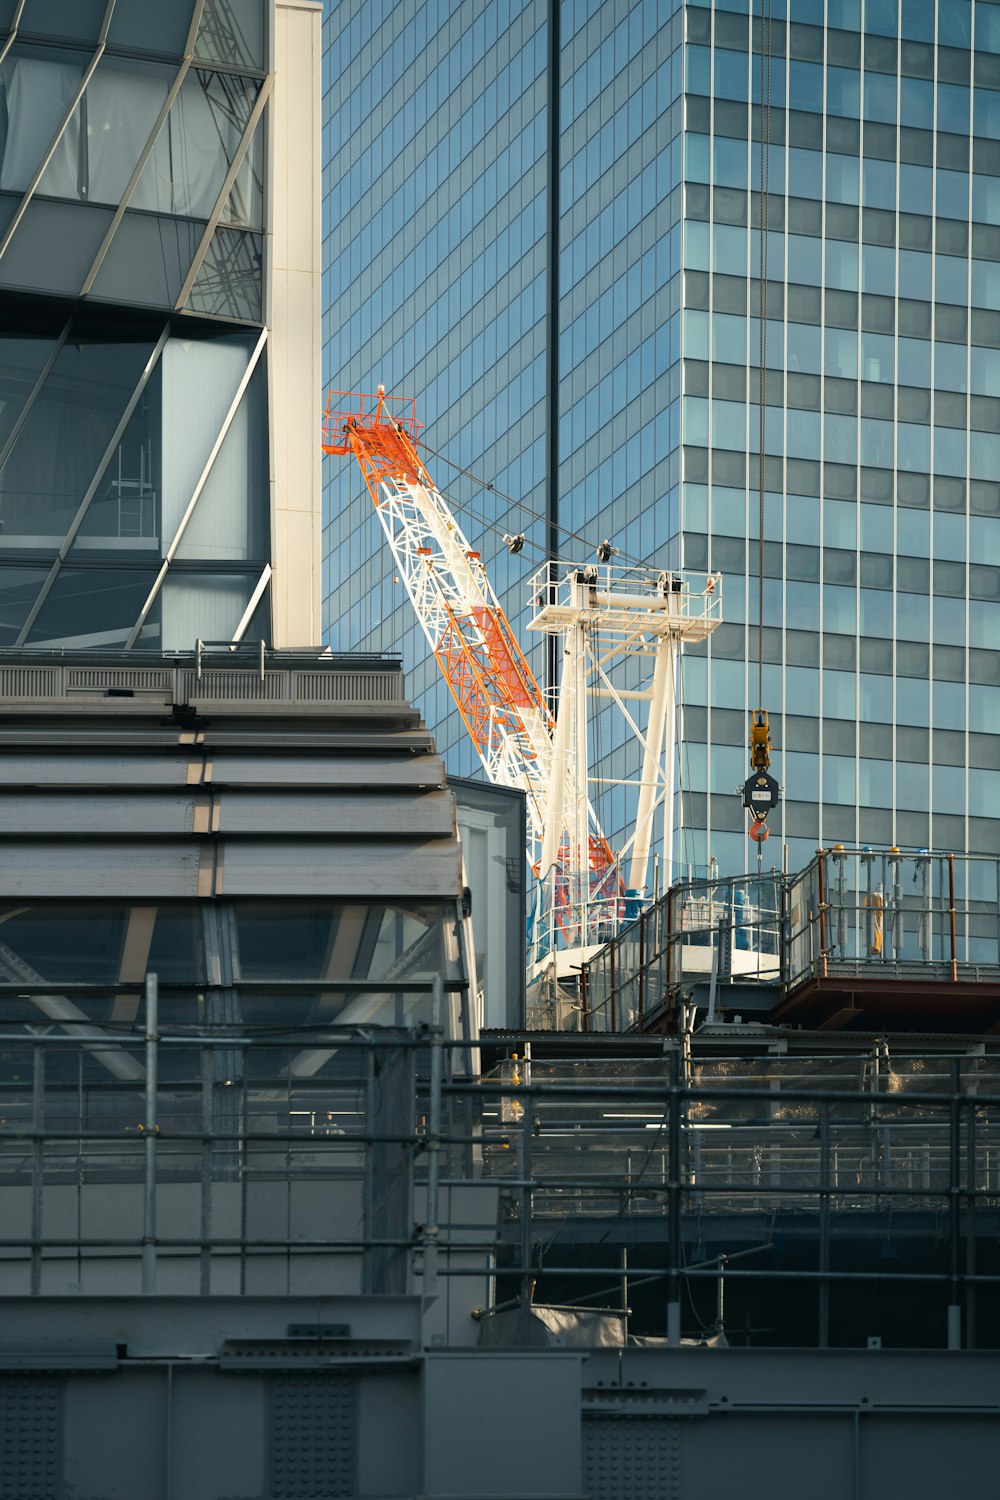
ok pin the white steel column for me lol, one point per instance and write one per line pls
(669, 761)
(657, 772)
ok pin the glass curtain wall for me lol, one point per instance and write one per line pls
(133, 439)
(104, 443)
(126, 172)
(435, 129)
(882, 509)
(882, 392)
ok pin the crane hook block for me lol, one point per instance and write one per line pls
(760, 794)
(760, 740)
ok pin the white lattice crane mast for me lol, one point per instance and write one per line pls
(489, 678)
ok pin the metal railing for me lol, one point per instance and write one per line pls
(851, 913)
(209, 1159)
(864, 912)
(717, 931)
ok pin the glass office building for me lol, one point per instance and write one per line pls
(543, 221)
(136, 338)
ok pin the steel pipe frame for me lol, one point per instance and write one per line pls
(676, 1190)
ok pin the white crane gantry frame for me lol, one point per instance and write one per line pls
(606, 616)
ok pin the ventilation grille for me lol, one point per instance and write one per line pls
(234, 686)
(30, 682)
(349, 687)
(181, 684)
(138, 679)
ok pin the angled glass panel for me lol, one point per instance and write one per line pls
(259, 628)
(123, 518)
(229, 282)
(245, 205)
(8, 207)
(230, 518)
(107, 132)
(66, 20)
(232, 31)
(7, 10)
(21, 361)
(194, 149)
(92, 608)
(64, 438)
(202, 607)
(141, 26)
(37, 87)
(18, 591)
(199, 381)
(148, 260)
(90, 944)
(54, 246)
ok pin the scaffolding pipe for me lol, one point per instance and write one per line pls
(432, 1229)
(149, 1134)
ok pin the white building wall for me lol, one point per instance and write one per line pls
(294, 323)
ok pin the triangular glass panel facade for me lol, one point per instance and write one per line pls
(229, 283)
(196, 144)
(233, 32)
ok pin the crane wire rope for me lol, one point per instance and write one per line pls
(533, 515)
(765, 155)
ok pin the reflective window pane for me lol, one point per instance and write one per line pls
(54, 246)
(148, 260)
(141, 27)
(245, 204)
(21, 361)
(124, 514)
(196, 144)
(61, 444)
(18, 591)
(229, 281)
(67, 20)
(91, 608)
(102, 944)
(98, 151)
(199, 381)
(202, 607)
(230, 519)
(36, 93)
(324, 940)
(232, 31)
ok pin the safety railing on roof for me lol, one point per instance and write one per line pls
(871, 913)
(851, 914)
(701, 930)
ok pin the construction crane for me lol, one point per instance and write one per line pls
(604, 615)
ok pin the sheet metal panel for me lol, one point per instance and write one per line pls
(116, 867)
(337, 816)
(108, 814)
(364, 868)
(86, 770)
(329, 815)
(247, 738)
(384, 771)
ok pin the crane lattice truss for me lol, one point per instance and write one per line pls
(603, 615)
